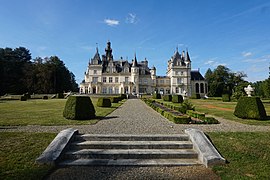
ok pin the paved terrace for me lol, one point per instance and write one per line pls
(135, 117)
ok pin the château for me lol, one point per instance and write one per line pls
(105, 75)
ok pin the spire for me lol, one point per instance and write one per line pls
(187, 58)
(135, 63)
(108, 51)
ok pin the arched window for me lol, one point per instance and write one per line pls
(197, 88)
(202, 87)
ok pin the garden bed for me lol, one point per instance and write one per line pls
(175, 114)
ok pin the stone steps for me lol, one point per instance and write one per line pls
(131, 154)
(129, 150)
(130, 162)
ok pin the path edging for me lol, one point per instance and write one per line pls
(208, 154)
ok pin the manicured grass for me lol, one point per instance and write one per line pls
(226, 109)
(18, 152)
(44, 112)
(248, 154)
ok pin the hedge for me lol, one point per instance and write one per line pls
(156, 96)
(45, 97)
(177, 99)
(23, 98)
(250, 108)
(226, 98)
(196, 114)
(167, 97)
(79, 108)
(195, 96)
(115, 99)
(104, 102)
(59, 95)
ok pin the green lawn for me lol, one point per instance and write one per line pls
(18, 152)
(247, 153)
(43, 112)
(226, 109)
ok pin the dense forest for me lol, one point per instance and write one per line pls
(19, 73)
(222, 80)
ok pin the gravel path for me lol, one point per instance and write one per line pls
(135, 117)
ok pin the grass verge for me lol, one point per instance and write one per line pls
(225, 110)
(44, 112)
(248, 154)
(18, 152)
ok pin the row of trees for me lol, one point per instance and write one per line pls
(223, 81)
(19, 73)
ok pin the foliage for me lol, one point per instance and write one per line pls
(115, 99)
(60, 95)
(156, 96)
(167, 97)
(45, 97)
(247, 153)
(187, 105)
(195, 96)
(177, 98)
(226, 97)
(23, 98)
(18, 152)
(222, 81)
(262, 88)
(104, 102)
(79, 108)
(20, 74)
(250, 108)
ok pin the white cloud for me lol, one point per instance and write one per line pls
(111, 22)
(258, 60)
(246, 54)
(131, 18)
(214, 63)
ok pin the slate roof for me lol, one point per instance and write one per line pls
(196, 75)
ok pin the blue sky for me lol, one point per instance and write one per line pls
(227, 32)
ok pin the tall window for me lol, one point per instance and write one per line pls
(104, 79)
(116, 90)
(176, 90)
(95, 79)
(179, 80)
(95, 71)
(126, 79)
(110, 79)
(104, 90)
(145, 81)
(161, 81)
(197, 86)
(110, 90)
(116, 79)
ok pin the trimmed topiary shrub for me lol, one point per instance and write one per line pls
(27, 95)
(59, 95)
(114, 99)
(167, 97)
(210, 120)
(104, 102)
(177, 99)
(23, 98)
(250, 108)
(195, 96)
(226, 98)
(123, 96)
(79, 108)
(45, 97)
(156, 96)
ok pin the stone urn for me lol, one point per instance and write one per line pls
(249, 90)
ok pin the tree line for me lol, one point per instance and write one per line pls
(222, 80)
(19, 73)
